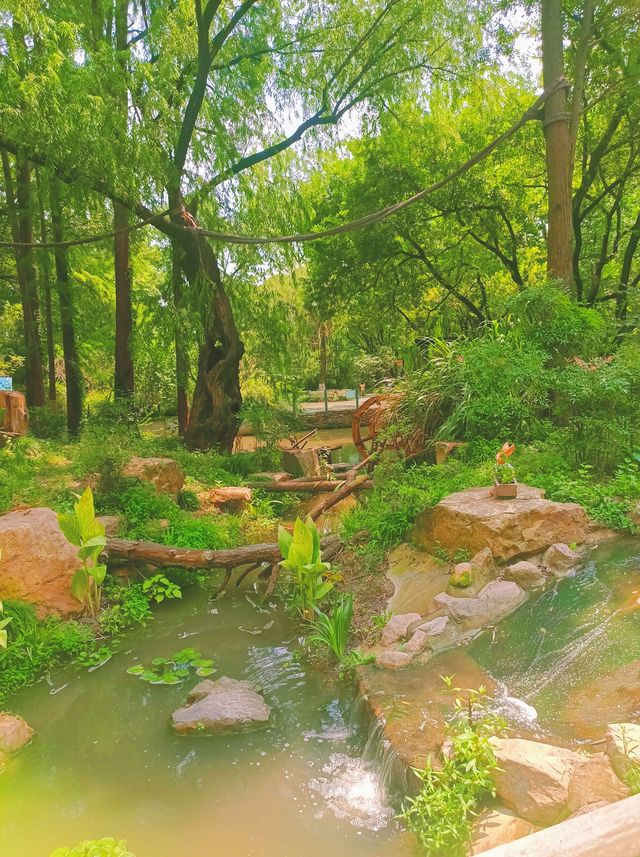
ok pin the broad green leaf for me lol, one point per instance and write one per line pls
(98, 573)
(323, 590)
(316, 538)
(302, 541)
(80, 584)
(284, 541)
(138, 669)
(69, 526)
(85, 512)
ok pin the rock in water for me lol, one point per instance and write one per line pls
(526, 574)
(559, 560)
(510, 528)
(37, 562)
(164, 474)
(225, 705)
(494, 602)
(14, 733)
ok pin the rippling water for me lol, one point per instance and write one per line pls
(105, 763)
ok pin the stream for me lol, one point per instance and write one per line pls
(105, 762)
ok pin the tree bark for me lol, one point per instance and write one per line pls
(558, 146)
(72, 374)
(46, 285)
(124, 383)
(214, 418)
(20, 216)
(182, 357)
(622, 299)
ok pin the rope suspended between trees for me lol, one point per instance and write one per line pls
(533, 112)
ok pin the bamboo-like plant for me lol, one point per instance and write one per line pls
(303, 558)
(82, 529)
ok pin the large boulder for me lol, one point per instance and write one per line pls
(397, 628)
(526, 574)
(560, 560)
(494, 602)
(392, 659)
(15, 733)
(497, 827)
(545, 784)
(37, 562)
(224, 705)
(533, 779)
(622, 742)
(519, 527)
(301, 462)
(164, 474)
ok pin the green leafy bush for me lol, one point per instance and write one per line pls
(303, 559)
(84, 531)
(440, 814)
(95, 848)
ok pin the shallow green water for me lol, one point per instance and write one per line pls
(105, 763)
(556, 651)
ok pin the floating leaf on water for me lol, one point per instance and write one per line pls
(149, 675)
(160, 661)
(183, 673)
(169, 678)
(202, 662)
(136, 670)
(204, 671)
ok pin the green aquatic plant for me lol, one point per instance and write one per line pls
(303, 558)
(96, 848)
(332, 631)
(351, 660)
(87, 533)
(159, 587)
(175, 669)
(3, 623)
(440, 814)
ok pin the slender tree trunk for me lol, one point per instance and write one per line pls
(182, 358)
(622, 299)
(124, 376)
(20, 215)
(558, 146)
(323, 334)
(214, 420)
(46, 285)
(73, 377)
(124, 381)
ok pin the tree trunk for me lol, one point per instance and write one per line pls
(622, 299)
(124, 381)
(46, 284)
(214, 420)
(558, 146)
(72, 375)
(124, 377)
(182, 357)
(20, 216)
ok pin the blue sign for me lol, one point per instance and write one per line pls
(6, 383)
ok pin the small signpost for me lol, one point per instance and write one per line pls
(6, 383)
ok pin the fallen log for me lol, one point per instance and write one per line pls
(307, 487)
(161, 556)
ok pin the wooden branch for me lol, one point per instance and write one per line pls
(331, 500)
(161, 556)
(319, 486)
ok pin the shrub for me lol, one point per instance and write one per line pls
(47, 424)
(36, 645)
(332, 631)
(95, 848)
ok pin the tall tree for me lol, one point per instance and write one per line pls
(558, 145)
(19, 206)
(72, 373)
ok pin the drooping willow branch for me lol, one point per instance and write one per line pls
(533, 112)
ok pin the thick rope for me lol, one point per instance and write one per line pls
(533, 112)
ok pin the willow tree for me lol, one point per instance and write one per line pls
(212, 84)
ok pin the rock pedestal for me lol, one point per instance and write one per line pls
(519, 527)
(164, 474)
(37, 562)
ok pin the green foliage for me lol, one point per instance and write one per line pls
(3, 625)
(95, 848)
(108, 439)
(128, 607)
(36, 645)
(47, 424)
(159, 587)
(331, 631)
(440, 814)
(303, 559)
(188, 501)
(268, 422)
(175, 669)
(83, 530)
